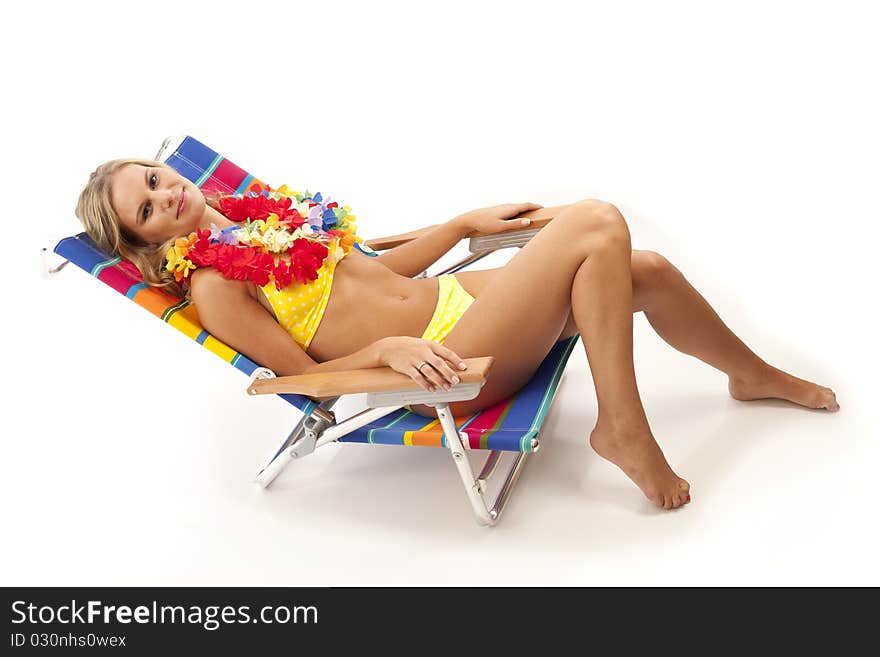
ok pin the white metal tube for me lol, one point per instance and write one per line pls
(267, 475)
(331, 434)
(471, 486)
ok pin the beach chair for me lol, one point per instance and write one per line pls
(507, 431)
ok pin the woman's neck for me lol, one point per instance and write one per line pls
(212, 216)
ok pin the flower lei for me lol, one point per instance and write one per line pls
(311, 231)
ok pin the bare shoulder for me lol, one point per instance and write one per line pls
(208, 284)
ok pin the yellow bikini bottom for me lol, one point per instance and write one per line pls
(452, 302)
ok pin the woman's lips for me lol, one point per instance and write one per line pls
(182, 203)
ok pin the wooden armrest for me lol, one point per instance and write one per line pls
(385, 243)
(374, 379)
(540, 218)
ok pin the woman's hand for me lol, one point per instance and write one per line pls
(406, 354)
(495, 219)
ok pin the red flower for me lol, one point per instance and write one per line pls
(293, 217)
(258, 188)
(306, 258)
(263, 265)
(259, 207)
(202, 253)
(281, 272)
(225, 254)
(242, 263)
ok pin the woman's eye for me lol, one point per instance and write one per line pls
(146, 213)
(154, 180)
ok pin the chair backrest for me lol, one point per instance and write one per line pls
(209, 171)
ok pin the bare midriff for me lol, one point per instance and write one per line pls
(369, 302)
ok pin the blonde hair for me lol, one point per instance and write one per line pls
(102, 224)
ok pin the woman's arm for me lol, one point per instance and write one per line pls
(416, 256)
(228, 311)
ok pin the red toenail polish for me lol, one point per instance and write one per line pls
(689, 497)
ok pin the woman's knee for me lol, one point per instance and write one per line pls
(598, 221)
(651, 270)
(653, 264)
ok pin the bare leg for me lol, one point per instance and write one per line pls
(579, 263)
(601, 298)
(684, 319)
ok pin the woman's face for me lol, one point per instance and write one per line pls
(156, 203)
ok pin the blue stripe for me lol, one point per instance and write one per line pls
(184, 167)
(201, 337)
(196, 153)
(248, 179)
(134, 289)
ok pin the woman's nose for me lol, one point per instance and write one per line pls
(165, 198)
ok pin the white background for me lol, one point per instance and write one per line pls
(740, 141)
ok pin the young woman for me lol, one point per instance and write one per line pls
(578, 274)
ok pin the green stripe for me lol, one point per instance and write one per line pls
(525, 443)
(211, 168)
(548, 396)
(101, 266)
(484, 439)
(173, 309)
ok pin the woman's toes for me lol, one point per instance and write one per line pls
(826, 399)
(832, 404)
(684, 492)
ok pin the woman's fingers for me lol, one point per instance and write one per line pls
(419, 377)
(433, 372)
(446, 376)
(438, 367)
(451, 356)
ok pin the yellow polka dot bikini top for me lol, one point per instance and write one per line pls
(299, 307)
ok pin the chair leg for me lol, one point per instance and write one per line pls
(510, 473)
(475, 487)
(285, 454)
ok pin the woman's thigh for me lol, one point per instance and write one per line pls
(474, 282)
(519, 312)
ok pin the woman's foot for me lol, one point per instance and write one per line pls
(773, 383)
(639, 456)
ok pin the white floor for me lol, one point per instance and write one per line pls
(128, 452)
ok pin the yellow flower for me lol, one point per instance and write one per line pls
(177, 262)
(346, 241)
(334, 253)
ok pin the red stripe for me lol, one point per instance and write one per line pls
(120, 278)
(485, 422)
